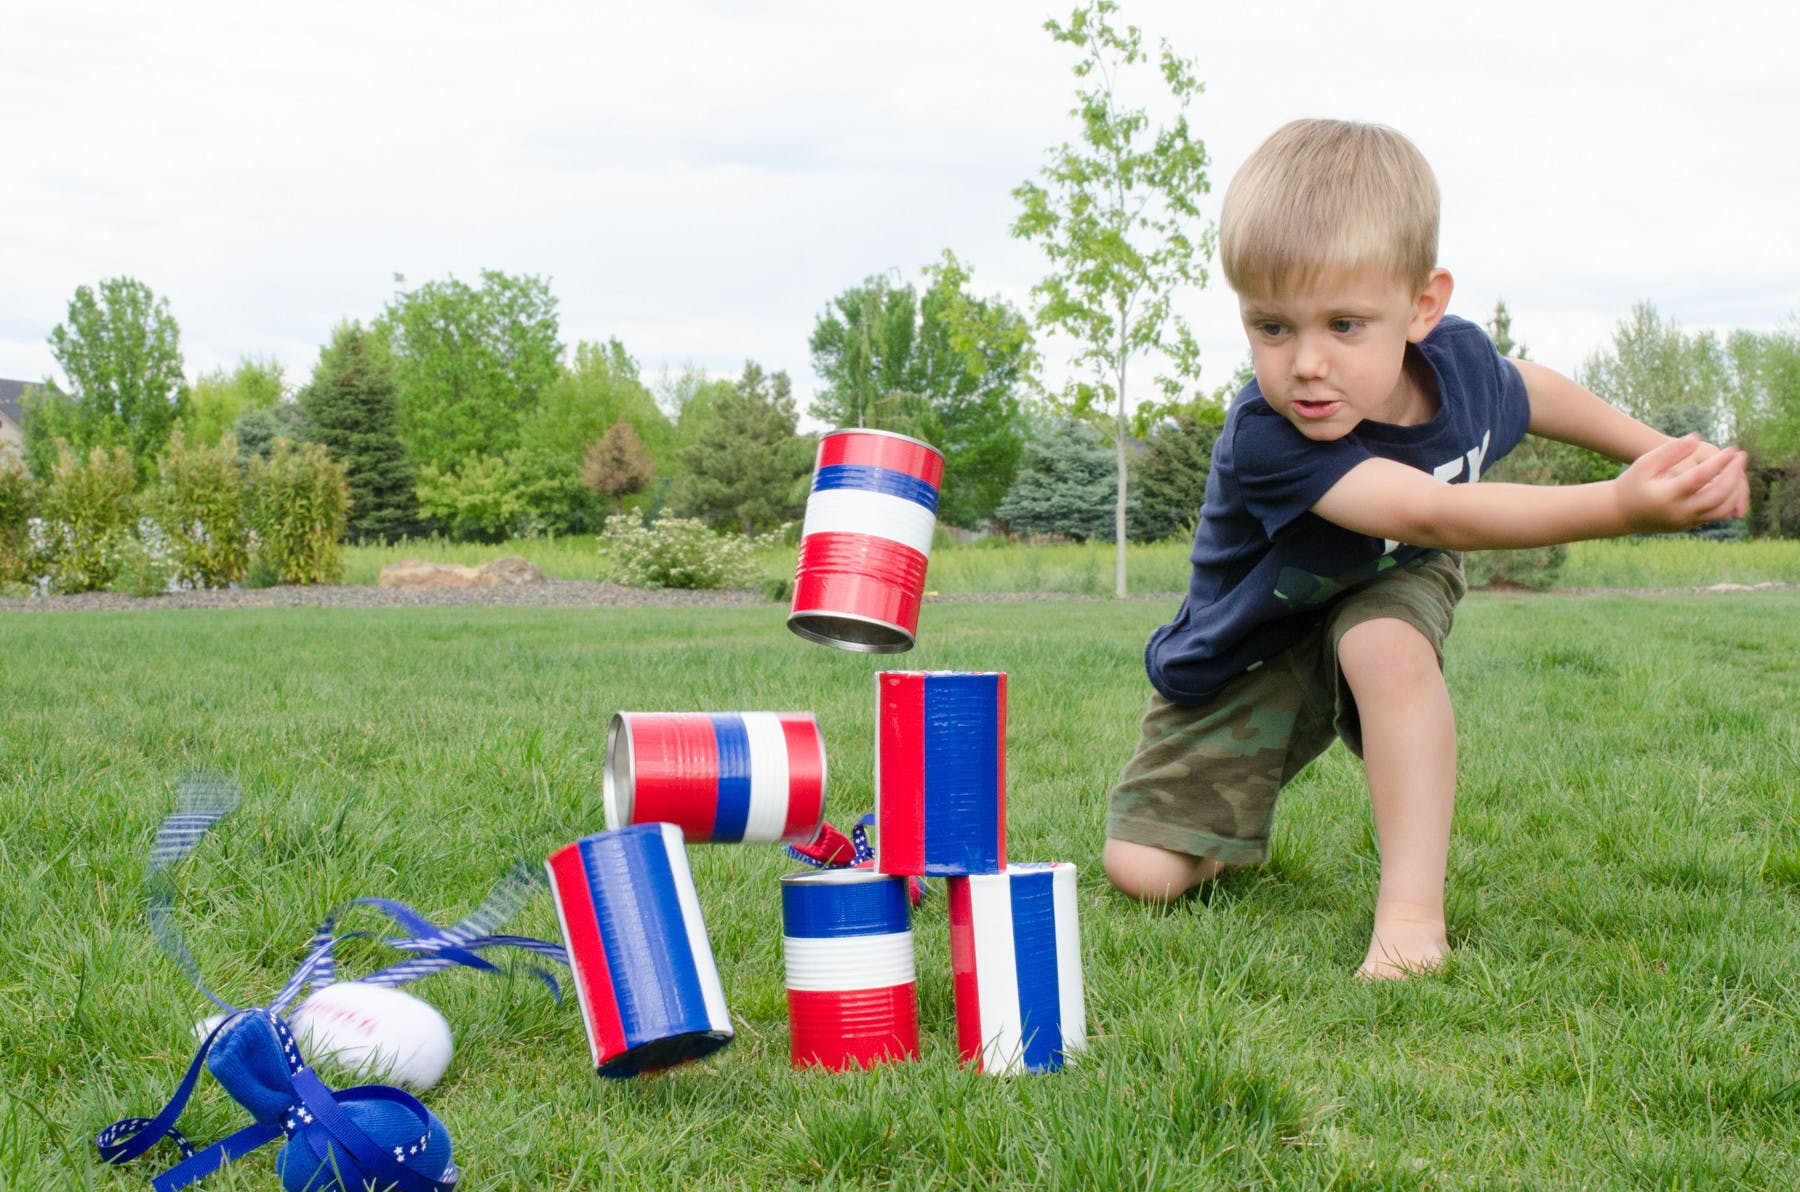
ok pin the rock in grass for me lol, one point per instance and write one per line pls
(514, 569)
(412, 573)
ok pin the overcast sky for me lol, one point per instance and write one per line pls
(699, 179)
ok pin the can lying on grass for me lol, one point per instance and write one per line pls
(846, 939)
(642, 964)
(755, 777)
(940, 772)
(1015, 959)
(866, 541)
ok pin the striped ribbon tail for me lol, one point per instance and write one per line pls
(203, 801)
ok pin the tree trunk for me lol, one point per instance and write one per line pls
(1119, 505)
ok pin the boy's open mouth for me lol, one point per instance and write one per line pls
(1316, 409)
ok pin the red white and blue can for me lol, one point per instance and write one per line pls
(846, 938)
(755, 777)
(940, 772)
(866, 540)
(1015, 960)
(638, 950)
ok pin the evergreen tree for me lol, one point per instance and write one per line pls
(746, 467)
(1171, 475)
(617, 465)
(350, 408)
(1065, 485)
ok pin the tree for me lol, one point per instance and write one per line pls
(1499, 330)
(600, 386)
(1119, 219)
(746, 467)
(218, 398)
(1064, 482)
(617, 466)
(121, 352)
(351, 409)
(1660, 375)
(1764, 405)
(945, 366)
(471, 362)
(257, 428)
(1171, 475)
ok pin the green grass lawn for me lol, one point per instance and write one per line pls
(1621, 1010)
(1087, 568)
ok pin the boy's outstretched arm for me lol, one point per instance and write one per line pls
(1570, 413)
(1673, 486)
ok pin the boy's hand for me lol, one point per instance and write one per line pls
(1682, 484)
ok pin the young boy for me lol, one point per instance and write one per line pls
(1324, 569)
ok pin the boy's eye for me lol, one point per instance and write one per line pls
(1345, 326)
(1269, 330)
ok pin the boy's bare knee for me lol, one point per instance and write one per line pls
(1387, 651)
(1151, 874)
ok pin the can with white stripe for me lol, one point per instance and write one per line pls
(846, 939)
(755, 777)
(1015, 960)
(639, 954)
(866, 541)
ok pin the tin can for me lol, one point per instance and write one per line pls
(1015, 960)
(846, 939)
(866, 541)
(641, 961)
(755, 777)
(940, 772)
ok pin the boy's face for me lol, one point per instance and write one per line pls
(1332, 353)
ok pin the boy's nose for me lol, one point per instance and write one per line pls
(1310, 362)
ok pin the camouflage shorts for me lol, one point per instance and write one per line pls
(1204, 778)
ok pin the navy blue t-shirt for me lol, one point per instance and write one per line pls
(1266, 569)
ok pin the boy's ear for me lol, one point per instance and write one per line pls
(1430, 304)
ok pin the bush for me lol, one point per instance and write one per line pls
(473, 502)
(84, 519)
(16, 500)
(147, 563)
(299, 505)
(197, 507)
(1536, 568)
(677, 552)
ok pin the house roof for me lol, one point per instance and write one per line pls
(11, 392)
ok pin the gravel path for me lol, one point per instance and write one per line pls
(557, 593)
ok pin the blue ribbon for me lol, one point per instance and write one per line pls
(203, 801)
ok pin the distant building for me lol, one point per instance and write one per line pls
(12, 414)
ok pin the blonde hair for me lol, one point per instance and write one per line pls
(1322, 196)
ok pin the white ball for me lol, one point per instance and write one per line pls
(374, 1031)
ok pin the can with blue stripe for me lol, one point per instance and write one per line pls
(940, 772)
(639, 954)
(846, 939)
(754, 777)
(1015, 961)
(866, 541)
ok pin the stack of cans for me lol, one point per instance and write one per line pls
(643, 967)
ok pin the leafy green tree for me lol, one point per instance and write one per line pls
(1764, 403)
(471, 362)
(1499, 330)
(1118, 217)
(746, 466)
(351, 407)
(617, 465)
(1539, 461)
(1065, 485)
(219, 397)
(1661, 375)
(944, 366)
(121, 352)
(1171, 475)
(600, 386)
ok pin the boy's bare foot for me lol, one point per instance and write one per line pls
(1404, 948)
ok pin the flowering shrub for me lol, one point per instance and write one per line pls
(147, 564)
(84, 520)
(198, 518)
(299, 506)
(675, 552)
